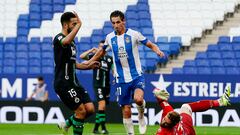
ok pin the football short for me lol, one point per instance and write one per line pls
(125, 91)
(73, 96)
(102, 93)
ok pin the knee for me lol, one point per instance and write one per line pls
(138, 100)
(126, 110)
(90, 110)
(185, 108)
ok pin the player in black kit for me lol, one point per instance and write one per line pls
(101, 85)
(66, 84)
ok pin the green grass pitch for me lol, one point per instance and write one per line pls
(114, 129)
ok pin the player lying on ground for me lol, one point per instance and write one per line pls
(174, 123)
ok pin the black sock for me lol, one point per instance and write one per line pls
(97, 122)
(102, 119)
(78, 125)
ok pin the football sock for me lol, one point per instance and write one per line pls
(128, 124)
(102, 119)
(141, 109)
(78, 125)
(97, 122)
(203, 105)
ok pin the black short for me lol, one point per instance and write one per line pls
(102, 93)
(73, 96)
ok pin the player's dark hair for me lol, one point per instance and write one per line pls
(174, 117)
(40, 78)
(66, 17)
(117, 13)
(102, 41)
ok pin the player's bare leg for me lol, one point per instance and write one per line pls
(127, 121)
(138, 98)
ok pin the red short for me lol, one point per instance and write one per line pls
(187, 124)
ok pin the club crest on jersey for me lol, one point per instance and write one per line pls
(127, 40)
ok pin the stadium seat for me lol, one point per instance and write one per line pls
(177, 71)
(8, 69)
(225, 47)
(144, 15)
(143, 7)
(224, 39)
(58, 8)
(21, 70)
(34, 62)
(147, 31)
(70, 1)
(34, 55)
(162, 40)
(189, 63)
(47, 70)
(47, 47)
(97, 32)
(10, 40)
(202, 63)
(201, 55)
(58, 2)
(131, 15)
(34, 16)
(212, 47)
(237, 54)
(22, 47)
(232, 71)
(47, 40)
(47, 62)
(47, 55)
(145, 23)
(9, 55)
(216, 63)
(176, 39)
(22, 62)
(46, 1)
(218, 70)
(47, 8)
(236, 46)
(35, 24)
(230, 63)
(23, 24)
(9, 47)
(22, 40)
(34, 70)
(204, 70)
(133, 23)
(35, 40)
(35, 47)
(214, 55)
(190, 70)
(34, 7)
(236, 39)
(228, 55)
(22, 31)
(150, 65)
(85, 40)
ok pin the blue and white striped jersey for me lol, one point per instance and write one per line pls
(125, 54)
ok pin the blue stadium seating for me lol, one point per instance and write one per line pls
(22, 40)
(9, 55)
(214, 55)
(34, 70)
(202, 63)
(22, 62)
(70, 1)
(34, 55)
(8, 69)
(46, 47)
(47, 40)
(177, 71)
(201, 55)
(225, 47)
(21, 70)
(22, 47)
(9, 47)
(47, 55)
(218, 70)
(236, 39)
(230, 63)
(189, 63)
(47, 70)
(216, 63)
(190, 70)
(162, 40)
(228, 55)
(47, 62)
(236, 46)
(224, 39)
(232, 71)
(204, 70)
(212, 47)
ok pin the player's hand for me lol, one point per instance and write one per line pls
(78, 19)
(94, 64)
(94, 50)
(160, 53)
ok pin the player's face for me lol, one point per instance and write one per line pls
(71, 24)
(118, 25)
(165, 121)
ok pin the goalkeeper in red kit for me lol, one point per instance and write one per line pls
(174, 123)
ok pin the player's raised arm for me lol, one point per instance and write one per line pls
(155, 48)
(100, 52)
(91, 65)
(85, 54)
(73, 26)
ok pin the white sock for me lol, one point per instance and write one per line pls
(128, 124)
(141, 109)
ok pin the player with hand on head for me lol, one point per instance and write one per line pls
(174, 123)
(127, 68)
(66, 84)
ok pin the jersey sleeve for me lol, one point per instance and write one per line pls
(58, 40)
(166, 108)
(106, 45)
(141, 38)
